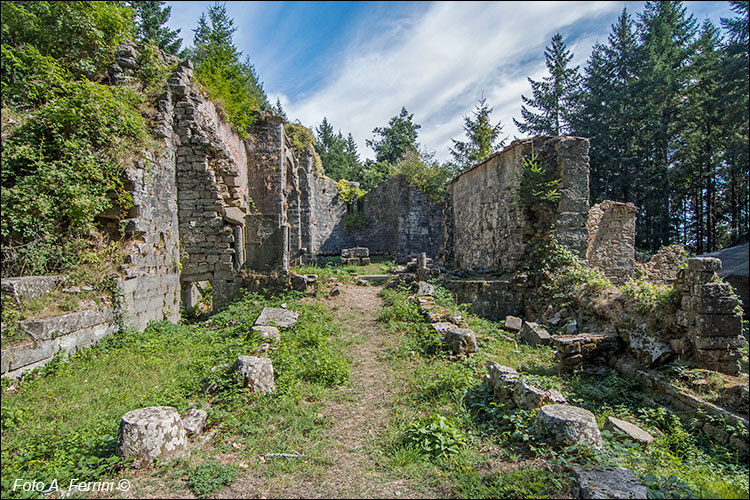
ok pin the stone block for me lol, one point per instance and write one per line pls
(628, 430)
(193, 421)
(533, 334)
(424, 288)
(274, 316)
(255, 373)
(719, 325)
(607, 482)
(565, 425)
(152, 433)
(528, 396)
(461, 340)
(268, 333)
(704, 264)
(513, 323)
(29, 287)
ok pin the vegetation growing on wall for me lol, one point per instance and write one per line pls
(229, 81)
(537, 189)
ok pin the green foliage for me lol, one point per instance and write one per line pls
(651, 297)
(537, 190)
(555, 96)
(339, 155)
(397, 139)
(230, 83)
(63, 166)
(210, 477)
(81, 36)
(435, 435)
(482, 137)
(425, 173)
(302, 137)
(30, 78)
(150, 17)
(349, 193)
(151, 70)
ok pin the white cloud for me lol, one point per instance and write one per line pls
(438, 64)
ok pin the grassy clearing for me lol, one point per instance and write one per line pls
(63, 424)
(501, 456)
(330, 267)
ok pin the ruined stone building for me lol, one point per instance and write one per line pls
(213, 206)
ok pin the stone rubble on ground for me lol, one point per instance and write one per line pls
(335, 291)
(255, 373)
(269, 333)
(151, 433)
(513, 323)
(607, 482)
(194, 421)
(274, 316)
(565, 425)
(628, 430)
(533, 334)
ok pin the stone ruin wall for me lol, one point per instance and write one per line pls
(400, 219)
(488, 227)
(210, 203)
(611, 244)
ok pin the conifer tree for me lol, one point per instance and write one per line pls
(555, 96)
(398, 138)
(482, 137)
(150, 16)
(736, 118)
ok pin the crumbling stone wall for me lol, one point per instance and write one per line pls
(611, 243)
(489, 228)
(273, 177)
(711, 315)
(400, 219)
(212, 191)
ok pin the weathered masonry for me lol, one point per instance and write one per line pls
(211, 205)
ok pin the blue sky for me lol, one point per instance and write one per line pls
(358, 63)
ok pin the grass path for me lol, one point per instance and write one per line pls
(357, 411)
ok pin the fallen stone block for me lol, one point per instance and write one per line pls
(152, 433)
(456, 319)
(274, 316)
(628, 430)
(529, 397)
(513, 323)
(442, 327)
(607, 482)
(424, 288)
(565, 425)
(298, 282)
(364, 261)
(438, 315)
(461, 340)
(533, 334)
(269, 333)
(334, 292)
(255, 373)
(194, 421)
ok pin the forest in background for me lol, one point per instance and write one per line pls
(664, 102)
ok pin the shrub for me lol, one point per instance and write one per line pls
(63, 166)
(210, 477)
(435, 436)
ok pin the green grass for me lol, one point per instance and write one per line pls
(330, 267)
(500, 443)
(64, 424)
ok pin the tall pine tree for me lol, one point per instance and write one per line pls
(150, 16)
(555, 96)
(666, 35)
(736, 119)
(482, 138)
(398, 138)
(608, 115)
